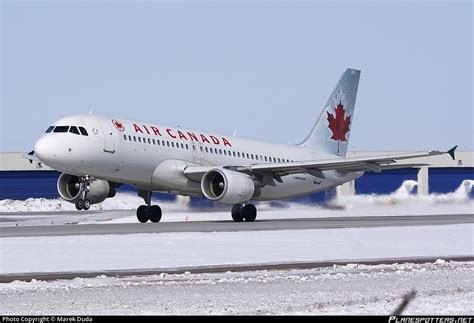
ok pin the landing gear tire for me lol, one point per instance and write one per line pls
(80, 204)
(154, 213)
(249, 212)
(237, 215)
(141, 214)
(87, 204)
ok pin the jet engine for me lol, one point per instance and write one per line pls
(227, 186)
(71, 188)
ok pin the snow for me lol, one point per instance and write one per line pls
(401, 202)
(442, 288)
(140, 251)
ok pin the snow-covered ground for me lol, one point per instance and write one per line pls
(401, 202)
(165, 250)
(442, 288)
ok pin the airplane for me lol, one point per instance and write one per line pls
(98, 154)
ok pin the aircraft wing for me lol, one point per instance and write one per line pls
(316, 167)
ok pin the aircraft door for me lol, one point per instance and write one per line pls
(109, 140)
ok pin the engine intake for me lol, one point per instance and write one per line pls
(227, 186)
(70, 188)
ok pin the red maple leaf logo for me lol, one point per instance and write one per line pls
(118, 125)
(339, 125)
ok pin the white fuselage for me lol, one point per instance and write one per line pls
(132, 152)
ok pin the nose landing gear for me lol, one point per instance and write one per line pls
(83, 203)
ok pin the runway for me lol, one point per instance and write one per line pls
(230, 226)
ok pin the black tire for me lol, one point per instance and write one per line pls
(87, 204)
(154, 213)
(79, 204)
(141, 214)
(237, 213)
(249, 212)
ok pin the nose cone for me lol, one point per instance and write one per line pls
(45, 150)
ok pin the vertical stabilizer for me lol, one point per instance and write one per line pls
(331, 132)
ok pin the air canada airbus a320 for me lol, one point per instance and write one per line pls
(98, 154)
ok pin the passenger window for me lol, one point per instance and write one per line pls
(172, 144)
(83, 131)
(248, 156)
(168, 143)
(74, 130)
(129, 138)
(124, 137)
(225, 153)
(134, 138)
(139, 139)
(154, 143)
(61, 129)
(49, 129)
(206, 150)
(149, 141)
(182, 146)
(187, 147)
(194, 147)
(238, 154)
(233, 153)
(201, 148)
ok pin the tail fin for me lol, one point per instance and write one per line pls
(331, 132)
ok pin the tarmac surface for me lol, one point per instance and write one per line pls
(230, 226)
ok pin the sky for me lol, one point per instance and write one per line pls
(263, 69)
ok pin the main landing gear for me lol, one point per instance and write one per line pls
(148, 211)
(247, 212)
(83, 203)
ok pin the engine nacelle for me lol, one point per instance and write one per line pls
(227, 186)
(70, 188)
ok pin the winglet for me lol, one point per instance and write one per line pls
(451, 152)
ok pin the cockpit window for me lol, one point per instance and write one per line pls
(83, 131)
(61, 129)
(74, 130)
(50, 129)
